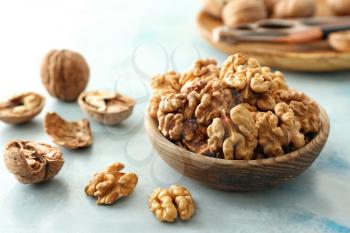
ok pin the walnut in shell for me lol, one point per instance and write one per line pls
(340, 41)
(64, 74)
(294, 8)
(106, 107)
(214, 7)
(340, 7)
(21, 108)
(168, 204)
(238, 12)
(72, 135)
(32, 162)
(111, 184)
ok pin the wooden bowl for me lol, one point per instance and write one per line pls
(238, 175)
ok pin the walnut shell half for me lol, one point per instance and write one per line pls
(72, 135)
(21, 108)
(106, 107)
(64, 74)
(32, 162)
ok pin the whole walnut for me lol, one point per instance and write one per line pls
(239, 12)
(340, 7)
(64, 74)
(214, 7)
(269, 4)
(294, 8)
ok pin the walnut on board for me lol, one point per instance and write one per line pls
(32, 162)
(21, 108)
(294, 8)
(339, 7)
(65, 74)
(239, 12)
(70, 134)
(111, 184)
(340, 41)
(107, 107)
(214, 7)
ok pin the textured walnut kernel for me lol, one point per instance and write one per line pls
(239, 111)
(234, 135)
(305, 109)
(168, 204)
(203, 69)
(111, 184)
(32, 162)
(65, 74)
(254, 84)
(166, 83)
(278, 130)
(72, 135)
(107, 107)
(21, 108)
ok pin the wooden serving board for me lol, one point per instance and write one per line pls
(311, 57)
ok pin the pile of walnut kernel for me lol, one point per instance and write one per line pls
(240, 111)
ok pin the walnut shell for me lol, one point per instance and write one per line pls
(294, 8)
(340, 7)
(106, 107)
(72, 135)
(21, 108)
(64, 74)
(238, 12)
(32, 162)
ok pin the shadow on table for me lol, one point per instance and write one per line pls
(32, 204)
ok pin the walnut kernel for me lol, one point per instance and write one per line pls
(32, 162)
(111, 184)
(239, 111)
(168, 204)
(64, 74)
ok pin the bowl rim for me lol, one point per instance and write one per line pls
(151, 127)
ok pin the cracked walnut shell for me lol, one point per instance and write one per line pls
(111, 184)
(72, 135)
(168, 204)
(64, 74)
(21, 108)
(32, 162)
(107, 107)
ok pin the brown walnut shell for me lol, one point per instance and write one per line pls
(340, 41)
(65, 74)
(21, 108)
(72, 135)
(32, 162)
(106, 107)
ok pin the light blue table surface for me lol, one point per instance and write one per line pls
(124, 42)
